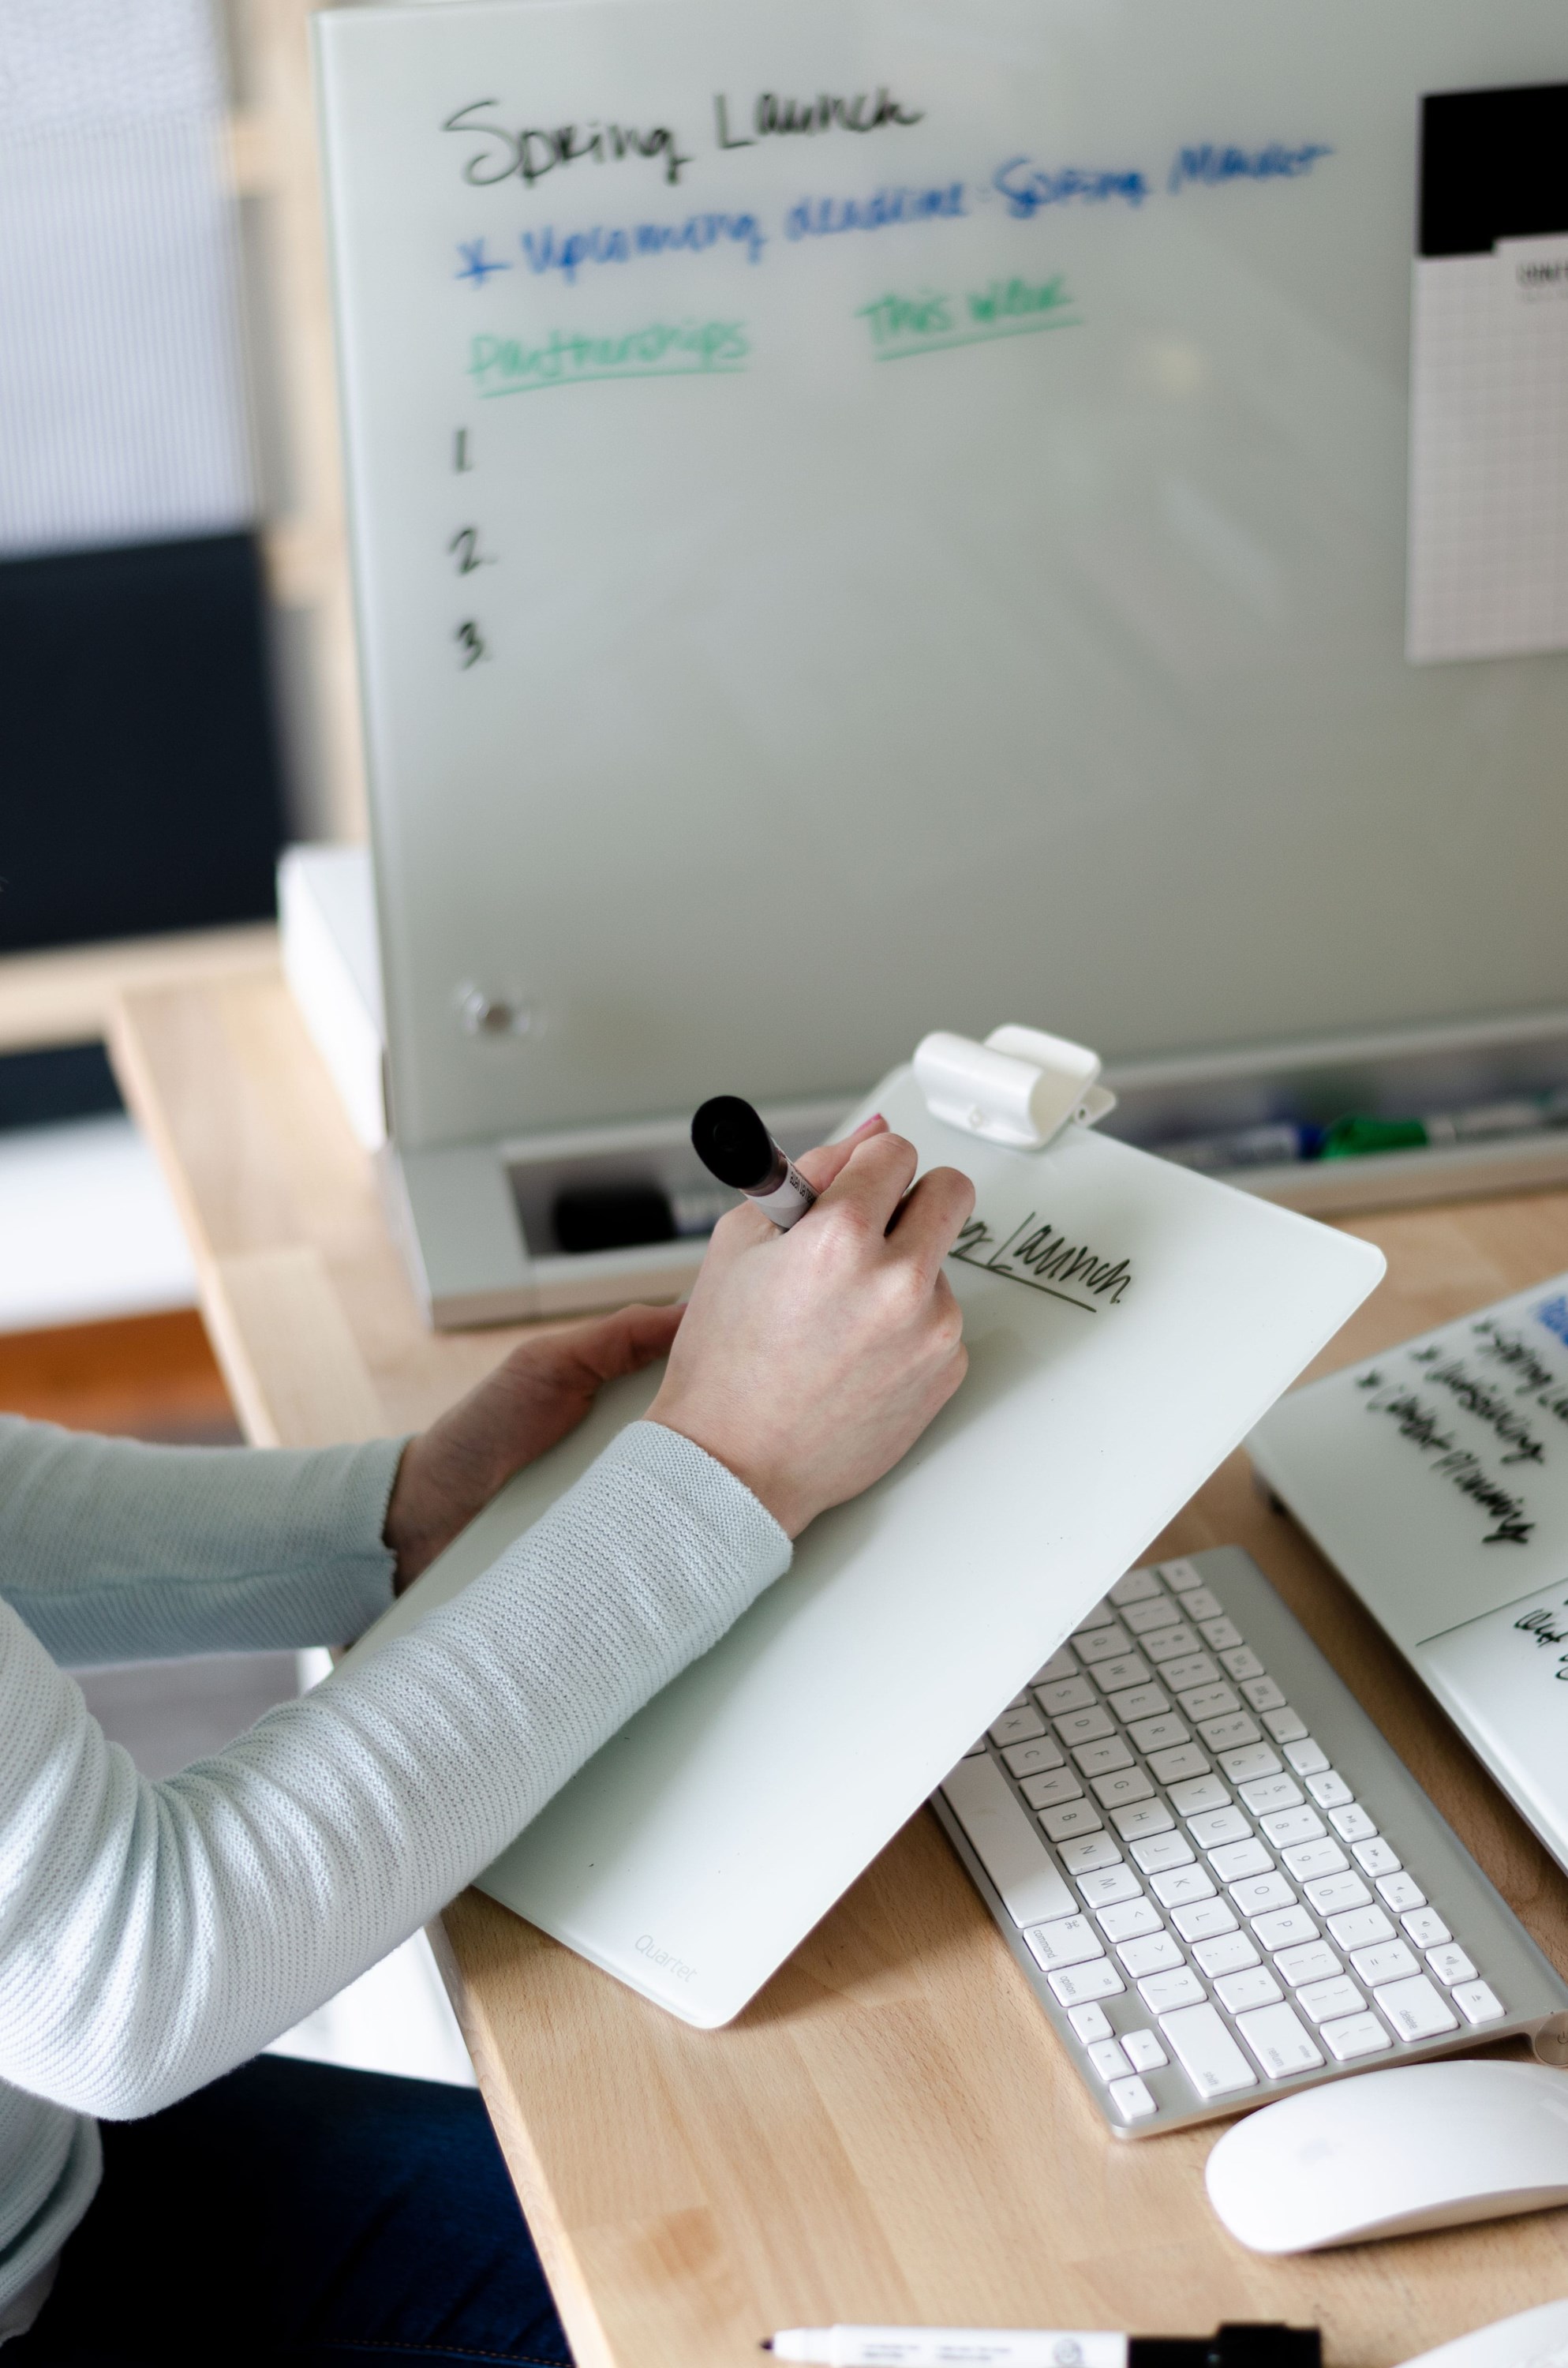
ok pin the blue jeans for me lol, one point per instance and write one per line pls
(297, 2212)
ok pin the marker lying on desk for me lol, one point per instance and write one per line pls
(1236, 2346)
(734, 1144)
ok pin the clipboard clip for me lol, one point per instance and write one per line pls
(1020, 1088)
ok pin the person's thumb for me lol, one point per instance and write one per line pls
(820, 1166)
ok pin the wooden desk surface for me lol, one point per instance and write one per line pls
(889, 2131)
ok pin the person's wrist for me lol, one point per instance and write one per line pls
(771, 1489)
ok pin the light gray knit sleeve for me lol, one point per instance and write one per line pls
(111, 1550)
(154, 1935)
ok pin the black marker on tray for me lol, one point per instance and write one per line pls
(735, 1145)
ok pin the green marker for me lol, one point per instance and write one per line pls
(1355, 1138)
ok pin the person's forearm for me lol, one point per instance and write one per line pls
(114, 1550)
(168, 1930)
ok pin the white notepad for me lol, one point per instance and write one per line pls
(1435, 1478)
(1126, 1323)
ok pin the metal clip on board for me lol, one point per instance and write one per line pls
(1020, 1088)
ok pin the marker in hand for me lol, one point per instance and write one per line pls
(735, 1145)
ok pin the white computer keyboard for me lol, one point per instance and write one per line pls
(1219, 1877)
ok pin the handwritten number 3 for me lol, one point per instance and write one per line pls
(471, 641)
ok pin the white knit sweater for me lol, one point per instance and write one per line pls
(154, 1935)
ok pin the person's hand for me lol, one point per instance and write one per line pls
(531, 1400)
(809, 1361)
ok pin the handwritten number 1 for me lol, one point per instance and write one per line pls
(471, 641)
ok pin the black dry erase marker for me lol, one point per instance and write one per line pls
(734, 1144)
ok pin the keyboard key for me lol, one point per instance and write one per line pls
(1270, 1792)
(1210, 1827)
(1315, 1962)
(1083, 1857)
(1308, 1859)
(1156, 1952)
(1332, 1895)
(1352, 1823)
(1205, 1792)
(1370, 1853)
(1170, 1644)
(1181, 1575)
(1242, 1662)
(1060, 1665)
(1286, 1826)
(1174, 1766)
(1096, 1979)
(1104, 1644)
(1228, 1954)
(1114, 1791)
(1205, 1701)
(1181, 1886)
(1256, 1987)
(1235, 1860)
(1478, 2003)
(1018, 1725)
(1138, 1587)
(1131, 2099)
(1004, 1841)
(1144, 1618)
(1068, 1941)
(1285, 1725)
(1221, 1635)
(1126, 1669)
(1195, 1669)
(1206, 2052)
(1102, 1616)
(1066, 1694)
(1139, 1702)
(1427, 1927)
(1201, 1603)
(1416, 2009)
(1161, 1992)
(1044, 1791)
(1126, 1919)
(1225, 1734)
(1073, 1818)
(1450, 1964)
(1359, 2034)
(975, 1749)
(1281, 2044)
(1204, 1918)
(1105, 1886)
(1146, 1817)
(1329, 1789)
(1020, 1702)
(1306, 1757)
(1261, 1693)
(1399, 1891)
(1325, 2002)
(1143, 2051)
(1090, 2022)
(1256, 1760)
(1029, 1759)
(1283, 1927)
(1389, 1960)
(1162, 1850)
(1108, 2059)
(1357, 1927)
(1084, 1727)
(1160, 1734)
(1098, 1758)
(1256, 1893)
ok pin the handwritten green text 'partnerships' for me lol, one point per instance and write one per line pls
(930, 324)
(569, 358)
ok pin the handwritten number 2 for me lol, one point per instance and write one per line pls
(470, 642)
(465, 548)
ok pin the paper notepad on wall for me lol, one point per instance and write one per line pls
(1126, 1321)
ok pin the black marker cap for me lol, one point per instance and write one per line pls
(733, 1143)
(1240, 2345)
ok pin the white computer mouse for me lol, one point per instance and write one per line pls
(1422, 2145)
(1532, 2338)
